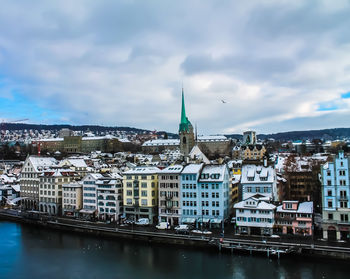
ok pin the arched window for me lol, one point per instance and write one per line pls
(184, 140)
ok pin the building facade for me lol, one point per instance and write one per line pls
(140, 193)
(335, 198)
(110, 198)
(169, 198)
(259, 180)
(254, 216)
(72, 201)
(32, 168)
(50, 189)
(294, 217)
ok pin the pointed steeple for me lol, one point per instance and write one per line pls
(183, 111)
(184, 123)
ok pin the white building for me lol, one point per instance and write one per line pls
(72, 200)
(254, 216)
(29, 178)
(259, 180)
(90, 194)
(109, 197)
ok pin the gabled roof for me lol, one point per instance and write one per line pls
(40, 163)
(192, 168)
(196, 154)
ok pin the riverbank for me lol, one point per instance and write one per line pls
(268, 247)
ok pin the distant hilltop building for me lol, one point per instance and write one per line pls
(249, 137)
(250, 150)
(67, 143)
(209, 145)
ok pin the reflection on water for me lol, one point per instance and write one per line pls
(28, 252)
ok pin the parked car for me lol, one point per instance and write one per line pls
(233, 220)
(163, 226)
(182, 229)
(142, 222)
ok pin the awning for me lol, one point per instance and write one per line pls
(204, 220)
(87, 211)
(215, 221)
(188, 220)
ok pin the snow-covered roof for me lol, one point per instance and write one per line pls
(41, 163)
(143, 170)
(303, 207)
(260, 205)
(197, 154)
(99, 138)
(78, 163)
(211, 171)
(211, 138)
(58, 173)
(172, 169)
(192, 168)
(161, 142)
(257, 174)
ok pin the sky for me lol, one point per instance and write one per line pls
(278, 65)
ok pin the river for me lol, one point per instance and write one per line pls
(30, 252)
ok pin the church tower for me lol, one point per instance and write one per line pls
(185, 131)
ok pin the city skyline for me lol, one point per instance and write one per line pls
(268, 66)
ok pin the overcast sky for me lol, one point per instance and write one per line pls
(278, 65)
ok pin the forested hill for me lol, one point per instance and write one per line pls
(325, 134)
(57, 127)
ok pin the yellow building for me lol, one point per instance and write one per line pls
(140, 193)
(253, 152)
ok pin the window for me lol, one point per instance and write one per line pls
(329, 183)
(144, 193)
(330, 204)
(143, 202)
(128, 201)
(344, 217)
(343, 204)
(330, 216)
(329, 193)
(129, 193)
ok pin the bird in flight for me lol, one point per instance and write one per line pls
(224, 102)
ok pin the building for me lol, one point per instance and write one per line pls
(213, 146)
(205, 195)
(302, 179)
(169, 192)
(159, 145)
(255, 216)
(185, 131)
(72, 201)
(259, 180)
(76, 164)
(32, 168)
(249, 137)
(214, 194)
(89, 209)
(335, 198)
(294, 217)
(252, 152)
(190, 195)
(110, 198)
(79, 144)
(140, 193)
(50, 189)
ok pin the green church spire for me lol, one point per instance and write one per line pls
(185, 123)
